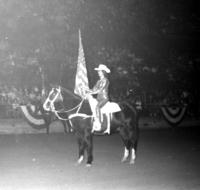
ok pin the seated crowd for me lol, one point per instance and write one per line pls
(11, 97)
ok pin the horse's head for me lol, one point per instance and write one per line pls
(53, 96)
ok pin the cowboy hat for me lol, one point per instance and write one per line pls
(102, 67)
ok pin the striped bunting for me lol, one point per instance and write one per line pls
(36, 120)
(174, 114)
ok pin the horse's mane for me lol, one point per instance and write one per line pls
(71, 100)
(73, 95)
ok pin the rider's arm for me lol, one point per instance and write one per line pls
(100, 85)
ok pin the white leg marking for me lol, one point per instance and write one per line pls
(133, 156)
(126, 154)
(88, 165)
(80, 160)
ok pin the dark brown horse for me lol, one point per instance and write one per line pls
(124, 122)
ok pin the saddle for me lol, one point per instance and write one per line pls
(107, 110)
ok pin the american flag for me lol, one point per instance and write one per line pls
(81, 80)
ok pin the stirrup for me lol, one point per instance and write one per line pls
(96, 125)
(107, 131)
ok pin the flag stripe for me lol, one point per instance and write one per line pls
(81, 73)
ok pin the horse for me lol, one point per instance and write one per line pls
(124, 122)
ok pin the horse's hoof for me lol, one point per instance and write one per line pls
(132, 162)
(88, 165)
(79, 161)
(123, 160)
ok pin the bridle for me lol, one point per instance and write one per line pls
(49, 103)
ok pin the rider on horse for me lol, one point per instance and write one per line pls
(101, 89)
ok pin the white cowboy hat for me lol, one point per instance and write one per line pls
(102, 68)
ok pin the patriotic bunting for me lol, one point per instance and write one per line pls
(35, 119)
(174, 114)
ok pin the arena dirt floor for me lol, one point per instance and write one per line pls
(167, 159)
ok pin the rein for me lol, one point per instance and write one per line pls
(69, 110)
(65, 111)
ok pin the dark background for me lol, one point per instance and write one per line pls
(152, 47)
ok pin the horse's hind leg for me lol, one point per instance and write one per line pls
(129, 151)
(133, 148)
(125, 138)
(126, 154)
(132, 155)
(130, 142)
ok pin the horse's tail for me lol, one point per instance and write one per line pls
(129, 105)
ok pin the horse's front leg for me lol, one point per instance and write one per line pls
(89, 148)
(47, 119)
(81, 146)
(66, 128)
